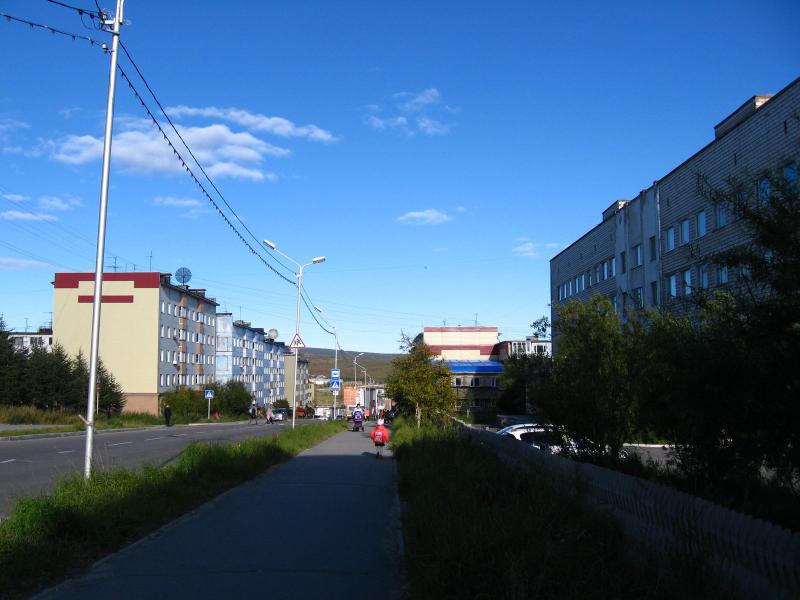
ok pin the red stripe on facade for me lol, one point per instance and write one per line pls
(140, 280)
(484, 350)
(457, 329)
(106, 299)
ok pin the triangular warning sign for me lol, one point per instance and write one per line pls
(297, 342)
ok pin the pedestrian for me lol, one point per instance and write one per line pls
(254, 413)
(269, 414)
(380, 437)
(358, 419)
(167, 414)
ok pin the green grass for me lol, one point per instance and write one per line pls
(476, 528)
(48, 536)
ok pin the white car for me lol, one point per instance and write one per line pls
(279, 415)
(541, 437)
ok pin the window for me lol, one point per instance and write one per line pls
(722, 215)
(702, 277)
(672, 284)
(701, 223)
(162, 307)
(169, 309)
(622, 262)
(653, 255)
(162, 331)
(638, 299)
(583, 281)
(684, 232)
(161, 359)
(636, 252)
(476, 382)
(605, 270)
(161, 380)
(597, 274)
(654, 293)
(614, 303)
(670, 239)
(577, 285)
(458, 381)
(613, 266)
(687, 282)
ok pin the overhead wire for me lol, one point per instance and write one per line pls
(53, 30)
(78, 9)
(194, 158)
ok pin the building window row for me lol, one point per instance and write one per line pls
(587, 279)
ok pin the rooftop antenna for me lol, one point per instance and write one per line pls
(150, 264)
(476, 319)
(184, 275)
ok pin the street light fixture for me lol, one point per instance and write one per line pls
(300, 268)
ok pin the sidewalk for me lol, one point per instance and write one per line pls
(326, 524)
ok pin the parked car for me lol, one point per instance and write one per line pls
(280, 414)
(541, 437)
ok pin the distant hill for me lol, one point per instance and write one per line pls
(320, 362)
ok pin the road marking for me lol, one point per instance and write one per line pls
(118, 444)
(179, 435)
(65, 451)
(161, 437)
(10, 460)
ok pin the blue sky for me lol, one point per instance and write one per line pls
(438, 153)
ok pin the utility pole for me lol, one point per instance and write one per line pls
(150, 264)
(116, 23)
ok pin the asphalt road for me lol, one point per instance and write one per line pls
(29, 467)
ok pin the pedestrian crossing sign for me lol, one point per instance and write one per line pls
(336, 385)
(297, 342)
(209, 394)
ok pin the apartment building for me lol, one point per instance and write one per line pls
(305, 390)
(653, 249)
(462, 343)
(530, 346)
(27, 340)
(248, 355)
(155, 336)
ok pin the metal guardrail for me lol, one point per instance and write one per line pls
(750, 555)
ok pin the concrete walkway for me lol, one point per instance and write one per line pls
(326, 524)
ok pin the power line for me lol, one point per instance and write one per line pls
(53, 30)
(197, 162)
(188, 169)
(78, 9)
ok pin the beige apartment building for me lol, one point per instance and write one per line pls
(462, 343)
(653, 249)
(154, 337)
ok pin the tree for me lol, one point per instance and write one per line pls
(589, 394)
(48, 376)
(419, 385)
(12, 366)
(523, 376)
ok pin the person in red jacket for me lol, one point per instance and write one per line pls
(380, 436)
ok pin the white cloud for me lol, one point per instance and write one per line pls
(13, 150)
(13, 197)
(58, 203)
(177, 202)
(430, 216)
(18, 215)
(68, 111)
(255, 122)
(7, 124)
(421, 108)
(418, 101)
(532, 249)
(382, 124)
(430, 126)
(21, 263)
(220, 151)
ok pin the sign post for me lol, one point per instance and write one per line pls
(209, 394)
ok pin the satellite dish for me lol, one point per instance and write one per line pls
(183, 275)
(272, 334)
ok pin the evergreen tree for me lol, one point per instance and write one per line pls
(12, 370)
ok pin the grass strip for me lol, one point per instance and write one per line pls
(48, 536)
(477, 528)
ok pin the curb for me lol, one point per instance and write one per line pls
(39, 436)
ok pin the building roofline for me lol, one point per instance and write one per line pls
(701, 150)
(468, 329)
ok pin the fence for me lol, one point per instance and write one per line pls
(758, 558)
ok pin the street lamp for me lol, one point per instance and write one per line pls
(300, 268)
(355, 373)
(366, 401)
(335, 359)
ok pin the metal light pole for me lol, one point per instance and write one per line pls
(300, 268)
(94, 351)
(355, 374)
(366, 400)
(335, 359)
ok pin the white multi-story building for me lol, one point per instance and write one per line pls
(248, 355)
(653, 249)
(27, 340)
